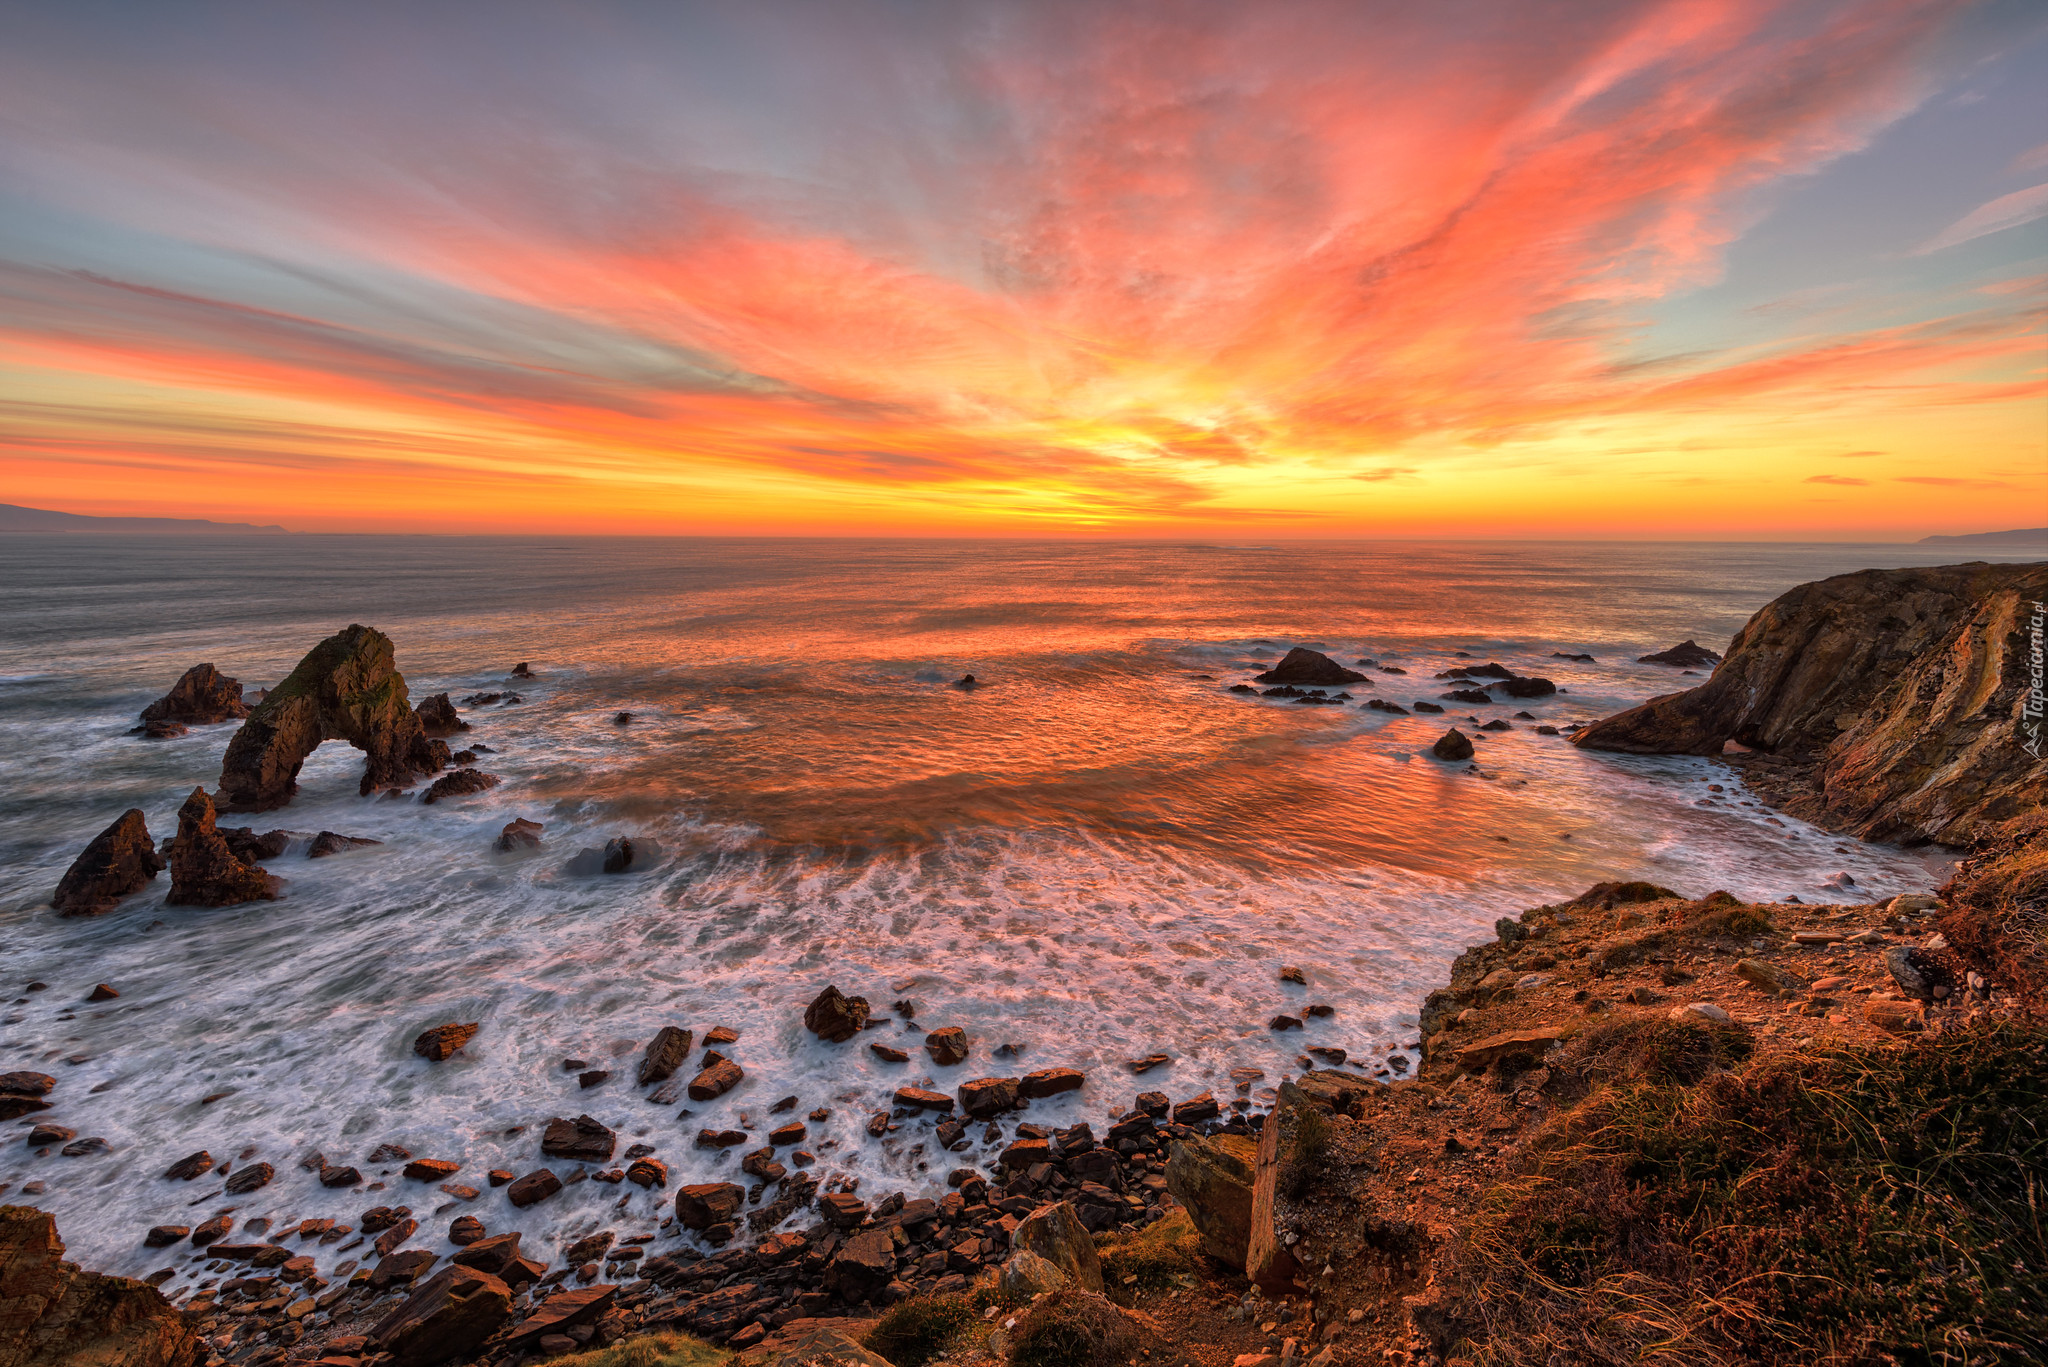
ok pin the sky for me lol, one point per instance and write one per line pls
(1693, 269)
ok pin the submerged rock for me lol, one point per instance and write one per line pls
(461, 783)
(201, 696)
(204, 870)
(346, 688)
(835, 1017)
(120, 860)
(1524, 686)
(1686, 655)
(438, 717)
(519, 834)
(1452, 745)
(1304, 666)
(328, 842)
(440, 1043)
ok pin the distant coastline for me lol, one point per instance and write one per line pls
(2023, 536)
(14, 518)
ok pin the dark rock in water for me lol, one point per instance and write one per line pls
(989, 1096)
(250, 1177)
(327, 842)
(520, 834)
(120, 860)
(704, 1204)
(251, 848)
(1390, 669)
(622, 854)
(460, 784)
(666, 1052)
(1490, 670)
(1546, 730)
(482, 699)
(1318, 700)
(1525, 716)
(888, 1053)
(593, 1077)
(191, 1166)
(1498, 725)
(463, 757)
(522, 670)
(159, 730)
(1382, 705)
(1284, 691)
(535, 1186)
(346, 688)
(619, 854)
(202, 696)
(1583, 659)
(440, 1043)
(1886, 702)
(1427, 707)
(437, 716)
(56, 1315)
(1468, 695)
(716, 1080)
(204, 871)
(947, 1046)
(1240, 688)
(835, 1017)
(101, 993)
(1686, 655)
(492, 1254)
(336, 1176)
(1526, 687)
(45, 1134)
(622, 719)
(1304, 666)
(967, 682)
(1452, 745)
(583, 1139)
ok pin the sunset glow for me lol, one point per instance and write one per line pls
(1689, 268)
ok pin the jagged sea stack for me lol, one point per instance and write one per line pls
(347, 688)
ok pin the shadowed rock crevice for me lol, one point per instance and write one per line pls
(347, 688)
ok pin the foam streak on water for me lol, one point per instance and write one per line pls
(1098, 855)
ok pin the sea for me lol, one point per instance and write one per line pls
(1097, 854)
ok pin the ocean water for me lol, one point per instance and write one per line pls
(1096, 855)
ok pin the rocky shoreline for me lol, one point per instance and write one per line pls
(1340, 1217)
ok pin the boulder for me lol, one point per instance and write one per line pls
(204, 871)
(583, 1139)
(921, 1098)
(190, 1166)
(1213, 1179)
(1056, 1234)
(328, 843)
(346, 688)
(666, 1052)
(704, 1204)
(835, 1017)
(1478, 1057)
(715, 1081)
(201, 696)
(1526, 687)
(519, 834)
(440, 1043)
(1686, 654)
(1304, 666)
(537, 1185)
(985, 1097)
(1050, 1082)
(460, 783)
(251, 848)
(862, 1266)
(449, 1315)
(1452, 745)
(1884, 703)
(493, 1254)
(120, 860)
(437, 716)
(53, 1313)
(1027, 1275)
(947, 1045)
(561, 1310)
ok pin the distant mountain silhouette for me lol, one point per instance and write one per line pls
(17, 519)
(2025, 536)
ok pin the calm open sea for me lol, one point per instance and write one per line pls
(1098, 854)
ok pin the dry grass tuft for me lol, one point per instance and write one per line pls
(1069, 1328)
(1997, 914)
(650, 1350)
(1882, 1204)
(916, 1331)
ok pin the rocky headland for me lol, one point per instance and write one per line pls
(1646, 1123)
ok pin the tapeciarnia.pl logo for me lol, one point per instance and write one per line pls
(2031, 702)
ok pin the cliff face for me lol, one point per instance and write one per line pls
(1888, 701)
(51, 1313)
